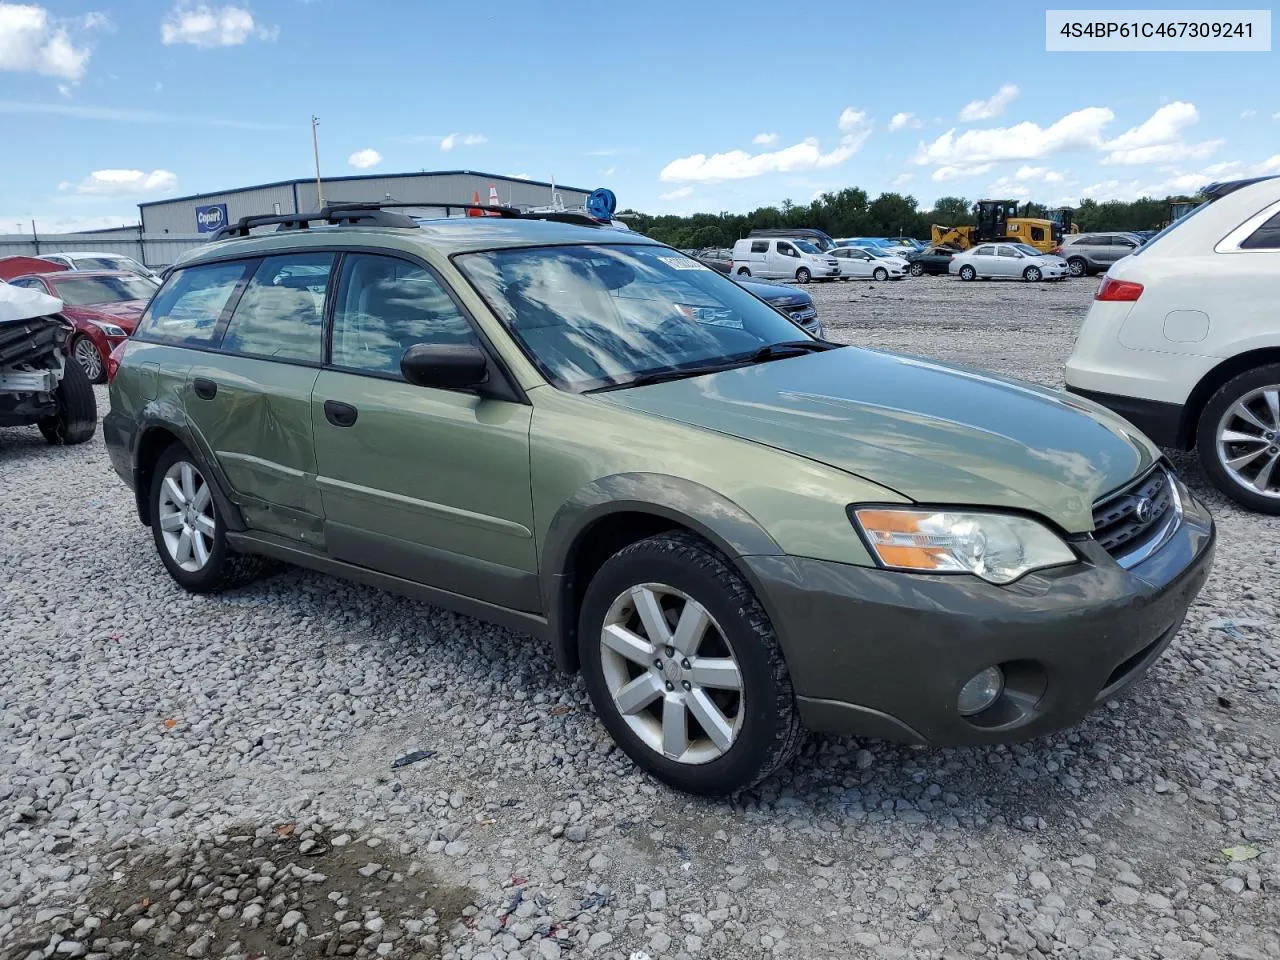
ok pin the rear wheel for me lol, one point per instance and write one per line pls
(685, 669)
(1238, 439)
(85, 352)
(917, 270)
(1032, 274)
(1077, 266)
(880, 273)
(77, 415)
(803, 275)
(968, 273)
(744, 272)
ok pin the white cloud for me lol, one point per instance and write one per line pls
(1022, 141)
(1248, 114)
(1043, 174)
(1176, 182)
(986, 109)
(65, 90)
(204, 26)
(900, 121)
(97, 21)
(765, 139)
(31, 42)
(805, 155)
(942, 174)
(678, 194)
(363, 159)
(1019, 183)
(128, 181)
(902, 179)
(462, 139)
(1158, 139)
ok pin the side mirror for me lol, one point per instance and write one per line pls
(445, 366)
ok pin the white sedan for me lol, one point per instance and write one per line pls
(857, 263)
(1009, 261)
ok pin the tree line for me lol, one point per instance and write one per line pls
(851, 213)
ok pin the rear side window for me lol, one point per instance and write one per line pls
(759, 246)
(1266, 237)
(187, 308)
(281, 314)
(985, 252)
(384, 307)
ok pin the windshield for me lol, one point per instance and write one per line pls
(1028, 250)
(602, 316)
(110, 263)
(84, 291)
(806, 247)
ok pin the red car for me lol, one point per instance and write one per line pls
(104, 305)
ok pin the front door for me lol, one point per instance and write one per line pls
(425, 484)
(251, 398)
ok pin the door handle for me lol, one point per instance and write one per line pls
(205, 389)
(340, 414)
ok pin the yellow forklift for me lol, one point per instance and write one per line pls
(998, 220)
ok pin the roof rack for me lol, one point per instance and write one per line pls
(378, 213)
(1217, 191)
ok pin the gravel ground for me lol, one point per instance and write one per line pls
(187, 776)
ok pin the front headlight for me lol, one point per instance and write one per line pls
(110, 329)
(999, 548)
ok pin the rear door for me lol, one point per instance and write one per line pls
(983, 260)
(251, 398)
(427, 484)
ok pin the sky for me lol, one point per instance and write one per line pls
(676, 107)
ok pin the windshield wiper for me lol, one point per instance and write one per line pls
(773, 351)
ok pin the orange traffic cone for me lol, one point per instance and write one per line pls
(475, 211)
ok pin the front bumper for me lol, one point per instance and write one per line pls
(884, 654)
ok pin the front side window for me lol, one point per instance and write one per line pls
(281, 314)
(86, 291)
(384, 307)
(787, 250)
(1266, 237)
(1005, 252)
(594, 317)
(1024, 248)
(189, 305)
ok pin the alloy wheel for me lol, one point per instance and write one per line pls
(186, 516)
(86, 354)
(672, 674)
(1248, 441)
(1076, 267)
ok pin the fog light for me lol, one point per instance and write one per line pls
(982, 690)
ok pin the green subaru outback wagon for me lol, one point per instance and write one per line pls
(736, 531)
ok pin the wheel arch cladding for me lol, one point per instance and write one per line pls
(159, 430)
(613, 512)
(1212, 381)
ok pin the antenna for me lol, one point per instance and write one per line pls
(315, 147)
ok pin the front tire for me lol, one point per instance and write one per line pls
(1032, 275)
(1238, 439)
(744, 272)
(917, 270)
(190, 536)
(77, 415)
(880, 274)
(803, 275)
(85, 352)
(684, 668)
(968, 273)
(1077, 266)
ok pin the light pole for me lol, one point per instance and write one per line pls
(315, 147)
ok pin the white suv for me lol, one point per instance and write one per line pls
(1183, 339)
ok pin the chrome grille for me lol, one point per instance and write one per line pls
(1135, 519)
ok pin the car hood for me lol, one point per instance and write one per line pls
(124, 313)
(932, 432)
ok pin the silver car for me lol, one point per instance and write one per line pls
(1089, 253)
(1007, 261)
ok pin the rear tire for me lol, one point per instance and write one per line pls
(1032, 275)
(1218, 418)
(188, 510)
(968, 273)
(759, 729)
(77, 415)
(880, 274)
(803, 276)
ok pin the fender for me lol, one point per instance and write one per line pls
(698, 508)
(167, 417)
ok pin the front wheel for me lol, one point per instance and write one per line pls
(803, 276)
(744, 272)
(968, 273)
(1031, 275)
(85, 352)
(77, 415)
(880, 273)
(917, 270)
(684, 668)
(1238, 439)
(1077, 266)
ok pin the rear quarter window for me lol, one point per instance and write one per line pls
(1266, 237)
(186, 310)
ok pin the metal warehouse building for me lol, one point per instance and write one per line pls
(206, 212)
